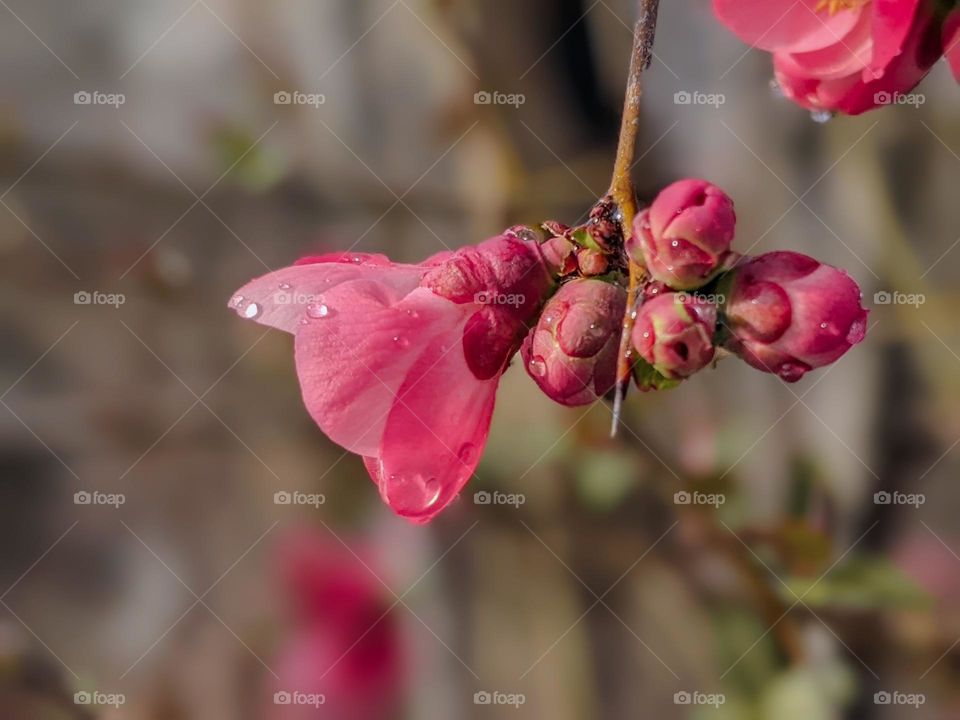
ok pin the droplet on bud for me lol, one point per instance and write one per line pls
(821, 116)
(318, 311)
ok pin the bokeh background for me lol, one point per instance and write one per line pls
(186, 588)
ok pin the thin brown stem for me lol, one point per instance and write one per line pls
(621, 187)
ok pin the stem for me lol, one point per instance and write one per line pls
(622, 189)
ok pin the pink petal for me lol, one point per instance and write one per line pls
(951, 42)
(282, 299)
(848, 56)
(893, 22)
(353, 362)
(784, 25)
(435, 433)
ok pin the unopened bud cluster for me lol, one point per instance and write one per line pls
(781, 312)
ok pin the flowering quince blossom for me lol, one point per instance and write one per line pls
(846, 56)
(400, 363)
(674, 334)
(342, 646)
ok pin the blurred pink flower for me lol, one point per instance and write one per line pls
(841, 55)
(344, 647)
(400, 363)
(787, 313)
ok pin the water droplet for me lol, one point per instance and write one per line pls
(304, 321)
(413, 313)
(821, 116)
(285, 286)
(467, 453)
(431, 489)
(401, 341)
(236, 301)
(823, 326)
(318, 311)
(538, 367)
(357, 259)
(675, 243)
(593, 326)
(776, 89)
(646, 334)
(251, 311)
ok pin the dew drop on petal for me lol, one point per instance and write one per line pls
(318, 311)
(675, 243)
(466, 453)
(285, 286)
(431, 491)
(251, 311)
(401, 341)
(776, 89)
(413, 314)
(538, 367)
(236, 300)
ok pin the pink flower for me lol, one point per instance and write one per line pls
(344, 645)
(400, 363)
(572, 352)
(841, 55)
(786, 313)
(674, 335)
(685, 235)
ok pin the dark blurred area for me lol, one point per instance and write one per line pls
(180, 541)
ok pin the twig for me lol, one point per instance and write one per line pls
(622, 189)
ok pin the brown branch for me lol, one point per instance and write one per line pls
(622, 189)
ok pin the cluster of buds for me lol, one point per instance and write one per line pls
(782, 312)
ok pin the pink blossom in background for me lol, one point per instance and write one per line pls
(343, 644)
(400, 363)
(841, 55)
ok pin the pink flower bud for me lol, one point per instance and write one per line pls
(787, 313)
(572, 352)
(685, 235)
(674, 334)
(591, 262)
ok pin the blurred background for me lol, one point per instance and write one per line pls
(179, 541)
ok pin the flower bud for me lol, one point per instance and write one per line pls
(572, 352)
(787, 313)
(673, 334)
(685, 235)
(591, 262)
